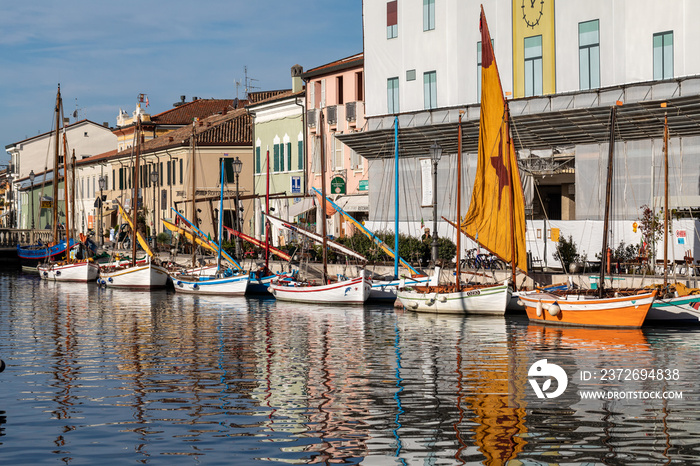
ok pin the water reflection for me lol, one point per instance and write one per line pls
(130, 376)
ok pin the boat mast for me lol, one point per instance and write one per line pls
(513, 253)
(267, 210)
(396, 196)
(66, 193)
(608, 200)
(459, 198)
(324, 276)
(221, 217)
(56, 239)
(666, 219)
(135, 200)
(72, 194)
(194, 190)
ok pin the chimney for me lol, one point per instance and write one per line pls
(182, 101)
(297, 83)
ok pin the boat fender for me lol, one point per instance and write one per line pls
(538, 309)
(412, 305)
(46, 274)
(442, 299)
(196, 287)
(58, 272)
(554, 309)
(110, 280)
(179, 283)
(521, 303)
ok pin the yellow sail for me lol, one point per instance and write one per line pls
(188, 235)
(496, 216)
(140, 239)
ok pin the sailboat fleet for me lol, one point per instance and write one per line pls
(495, 217)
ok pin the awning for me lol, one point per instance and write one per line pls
(358, 203)
(300, 207)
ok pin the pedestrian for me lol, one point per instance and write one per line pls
(112, 239)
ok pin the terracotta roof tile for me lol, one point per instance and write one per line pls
(201, 108)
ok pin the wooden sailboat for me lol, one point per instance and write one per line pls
(496, 212)
(33, 255)
(74, 269)
(350, 291)
(135, 275)
(677, 304)
(608, 309)
(225, 282)
(385, 290)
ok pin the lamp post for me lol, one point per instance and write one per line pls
(102, 181)
(435, 154)
(154, 181)
(237, 167)
(31, 194)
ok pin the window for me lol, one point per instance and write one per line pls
(181, 170)
(257, 159)
(289, 156)
(359, 92)
(338, 154)
(169, 173)
(392, 95)
(355, 160)
(316, 160)
(300, 153)
(312, 97)
(663, 55)
(323, 93)
(392, 24)
(428, 15)
(339, 90)
(533, 66)
(589, 55)
(276, 158)
(121, 179)
(114, 180)
(230, 176)
(430, 89)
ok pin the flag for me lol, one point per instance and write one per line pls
(497, 209)
(146, 101)
(422, 223)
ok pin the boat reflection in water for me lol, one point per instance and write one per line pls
(249, 381)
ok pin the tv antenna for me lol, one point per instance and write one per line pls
(248, 83)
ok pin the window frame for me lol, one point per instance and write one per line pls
(593, 82)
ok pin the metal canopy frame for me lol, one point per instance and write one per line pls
(542, 123)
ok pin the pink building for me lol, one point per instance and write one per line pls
(335, 96)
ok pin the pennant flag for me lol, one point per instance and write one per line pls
(497, 209)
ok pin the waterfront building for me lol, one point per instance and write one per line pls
(278, 155)
(335, 91)
(564, 65)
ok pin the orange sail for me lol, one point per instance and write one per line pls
(496, 216)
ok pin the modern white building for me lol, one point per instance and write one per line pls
(563, 65)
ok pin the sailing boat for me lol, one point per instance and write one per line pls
(134, 275)
(606, 310)
(34, 254)
(222, 282)
(349, 291)
(70, 269)
(678, 304)
(385, 290)
(496, 212)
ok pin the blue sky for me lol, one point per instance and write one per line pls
(104, 54)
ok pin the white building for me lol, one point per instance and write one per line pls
(565, 64)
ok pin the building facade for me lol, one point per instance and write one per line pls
(563, 65)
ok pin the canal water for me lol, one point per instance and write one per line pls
(98, 375)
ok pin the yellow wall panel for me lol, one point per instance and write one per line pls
(533, 18)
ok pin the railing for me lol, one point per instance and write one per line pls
(10, 237)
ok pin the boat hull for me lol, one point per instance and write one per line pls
(32, 256)
(620, 312)
(354, 291)
(679, 310)
(385, 291)
(141, 276)
(84, 271)
(204, 285)
(482, 300)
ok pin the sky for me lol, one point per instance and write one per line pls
(104, 54)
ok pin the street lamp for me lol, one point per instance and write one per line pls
(31, 180)
(237, 167)
(435, 154)
(102, 181)
(154, 181)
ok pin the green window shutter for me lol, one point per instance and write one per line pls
(300, 155)
(281, 157)
(289, 156)
(276, 158)
(121, 179)
(257, 160)
(228, 167)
